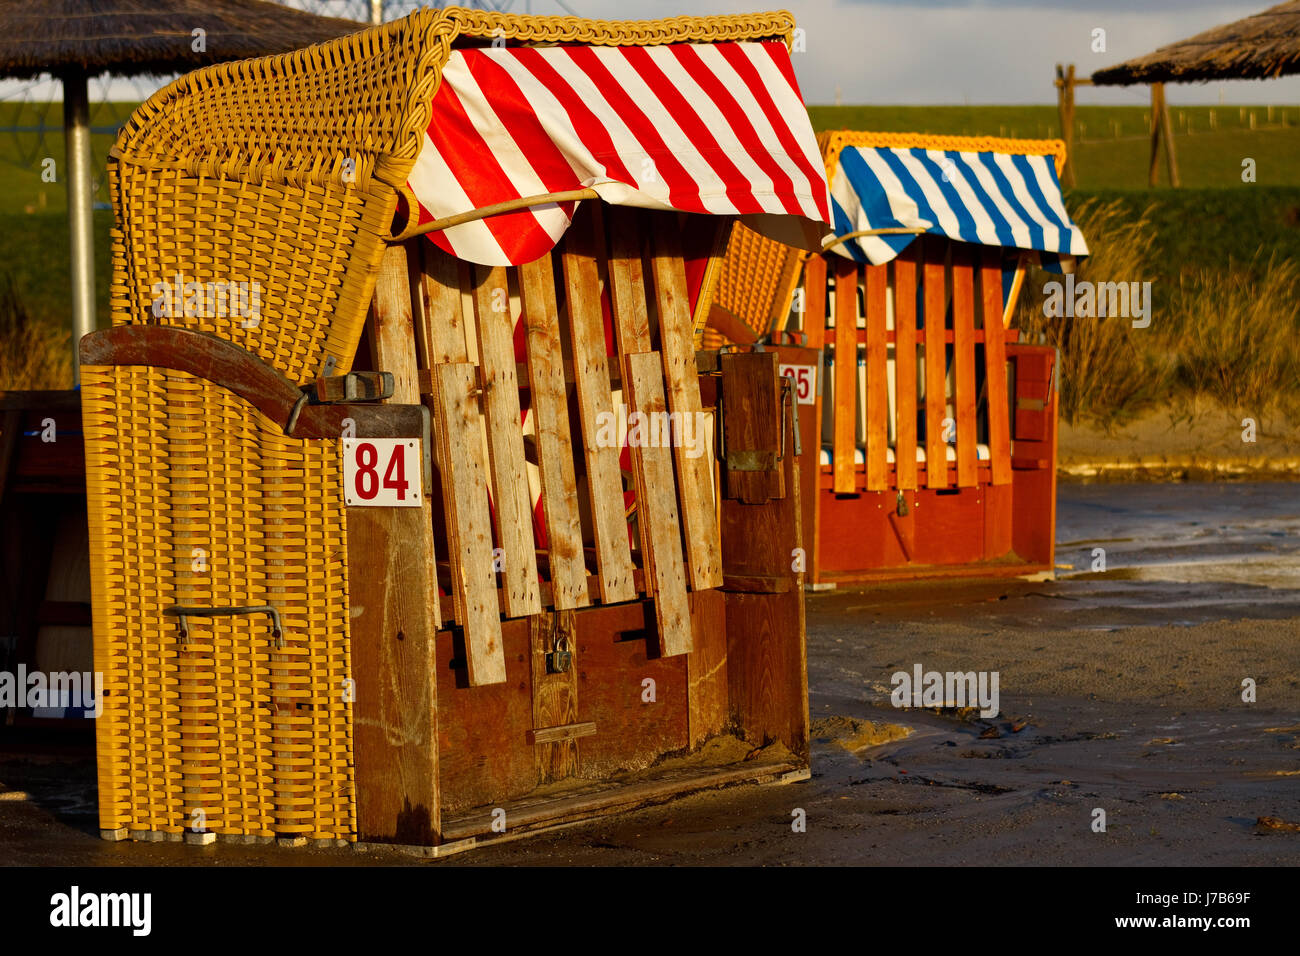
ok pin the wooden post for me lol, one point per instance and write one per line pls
(1065, 83)
(1171, 157)
(767, 672)
(1161, 129)
(1157, 111)
(392, 589)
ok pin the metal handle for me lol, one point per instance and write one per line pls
(183, 631)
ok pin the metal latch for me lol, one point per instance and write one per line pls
(341, 389)
(354, 387)
(183, 631)
(560, 658)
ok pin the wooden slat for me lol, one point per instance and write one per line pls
(554, 443)
(905, 366)
(814, 301)
(395, 714)
(1017, 283)
(591, 371)
(995, 368)
(682, 384)
(469, 525)
(440, 328)
(936, 471)
(658, 508)
(877, 405)
(963, 353)
(627, 294)
(814, 326)
(560, 734)
(846, 374)
(440, 339)
(393, 349)
(513, 509)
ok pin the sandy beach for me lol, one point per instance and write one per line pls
(1120, 690)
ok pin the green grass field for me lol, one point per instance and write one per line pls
(1113, 143)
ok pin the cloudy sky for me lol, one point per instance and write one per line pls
(940, 51)
(976, 51)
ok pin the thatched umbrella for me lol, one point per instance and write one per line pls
(1259, 47)
(77, 39)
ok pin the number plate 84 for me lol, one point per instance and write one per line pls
(382, 472)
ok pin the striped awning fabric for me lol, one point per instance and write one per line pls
(986, 196)
(706, 128)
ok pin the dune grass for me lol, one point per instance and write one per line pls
(1223, 334)
(33, 354)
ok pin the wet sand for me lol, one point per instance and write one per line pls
(1120, 690)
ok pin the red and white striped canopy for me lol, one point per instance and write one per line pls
(705, 128)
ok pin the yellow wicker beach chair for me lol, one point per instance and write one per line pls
(257, 204)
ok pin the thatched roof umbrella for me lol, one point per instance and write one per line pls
(1259, 47)
(77, 39)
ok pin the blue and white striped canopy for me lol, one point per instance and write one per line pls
(994, 199)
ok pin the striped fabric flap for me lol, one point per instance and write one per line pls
(990, 198)
(704, 128)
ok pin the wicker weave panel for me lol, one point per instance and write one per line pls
(756, 282)
(197, 499)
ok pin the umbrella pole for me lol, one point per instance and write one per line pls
(76, 133)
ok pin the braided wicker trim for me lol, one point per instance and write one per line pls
(831, 142)
(537, 29)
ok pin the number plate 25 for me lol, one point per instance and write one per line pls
(382, 472)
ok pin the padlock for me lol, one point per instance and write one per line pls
(901, 505)
(560, 659)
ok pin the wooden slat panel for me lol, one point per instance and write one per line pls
(846, 373)
(513, 511)
(469, 525)
(905, 366)
(814, 301)
(963, 354)
(936, 471)
(591, 373)
(682, 384)
(554, 443)
(877, 406)
(658, 509)
(995, 367)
